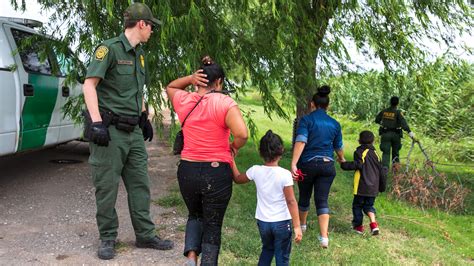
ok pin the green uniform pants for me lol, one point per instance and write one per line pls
(125, 158)
(393, 141)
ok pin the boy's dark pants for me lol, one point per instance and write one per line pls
(359, 205)
(206, 190)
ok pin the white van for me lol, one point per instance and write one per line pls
(31, 95)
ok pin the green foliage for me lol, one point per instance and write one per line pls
(277, 46)
(172, 200)
(437, 100)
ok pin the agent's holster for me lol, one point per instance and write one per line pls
(121, 122)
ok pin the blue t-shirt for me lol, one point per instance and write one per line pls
(321, 133)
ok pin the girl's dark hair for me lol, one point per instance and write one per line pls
(366, 137)
(213, 70)
(271, 146)
(321, 98)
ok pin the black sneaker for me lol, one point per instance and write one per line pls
(106, 250)
(156, 243)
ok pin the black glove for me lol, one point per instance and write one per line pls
(99, 134)
(146, 127)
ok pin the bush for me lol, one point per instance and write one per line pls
(429, 190)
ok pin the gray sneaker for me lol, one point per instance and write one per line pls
(303, 228)
(323, 241)
(106, 250)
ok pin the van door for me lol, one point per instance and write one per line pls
(67, 90)
(39, 92)
(9, 101)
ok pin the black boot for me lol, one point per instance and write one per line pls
(155, 243)
(106, 249)
(210, 254)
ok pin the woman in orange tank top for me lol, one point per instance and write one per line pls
(204, 172)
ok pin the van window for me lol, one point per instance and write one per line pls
(64, 61)
(67, 64)
(30, 53)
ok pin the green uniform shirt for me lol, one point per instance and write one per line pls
(392, 118)
(122, 70)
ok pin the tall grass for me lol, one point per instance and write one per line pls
(438, 101)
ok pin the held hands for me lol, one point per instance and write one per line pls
(199, 79)
(99, 134)
(147, 128)
(298, 234)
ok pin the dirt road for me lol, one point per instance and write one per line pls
(47, 209)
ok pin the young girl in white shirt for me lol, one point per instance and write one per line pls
(276, 203)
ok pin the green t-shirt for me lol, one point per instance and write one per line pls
(122, 70)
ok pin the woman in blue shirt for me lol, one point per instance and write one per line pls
(317, 138)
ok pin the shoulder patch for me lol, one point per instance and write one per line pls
(101, 52)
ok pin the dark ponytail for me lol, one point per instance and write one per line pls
(271, 146)
(213, 70)
(321, 98)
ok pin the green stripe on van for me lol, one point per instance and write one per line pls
(37, 111)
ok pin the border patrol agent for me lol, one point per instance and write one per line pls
(117, 125)
(391, 123)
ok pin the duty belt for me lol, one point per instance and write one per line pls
(392, 129)
(121, 122)
(385, 130)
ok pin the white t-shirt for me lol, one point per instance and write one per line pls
(271, 202)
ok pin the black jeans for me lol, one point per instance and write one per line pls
(206, 189)
(359, 204)
(319, 177)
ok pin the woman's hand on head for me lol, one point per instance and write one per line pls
(198, 78)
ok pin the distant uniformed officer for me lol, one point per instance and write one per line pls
(117, 127)
(391, 123)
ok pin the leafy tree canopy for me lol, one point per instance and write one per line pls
(274, 46)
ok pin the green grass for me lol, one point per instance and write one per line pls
(172, 200)
(409, 235)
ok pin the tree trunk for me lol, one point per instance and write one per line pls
(312, 25)
(305, 79)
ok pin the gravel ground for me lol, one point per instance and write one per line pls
(47, 210)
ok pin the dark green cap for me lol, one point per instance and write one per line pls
(140, 11)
